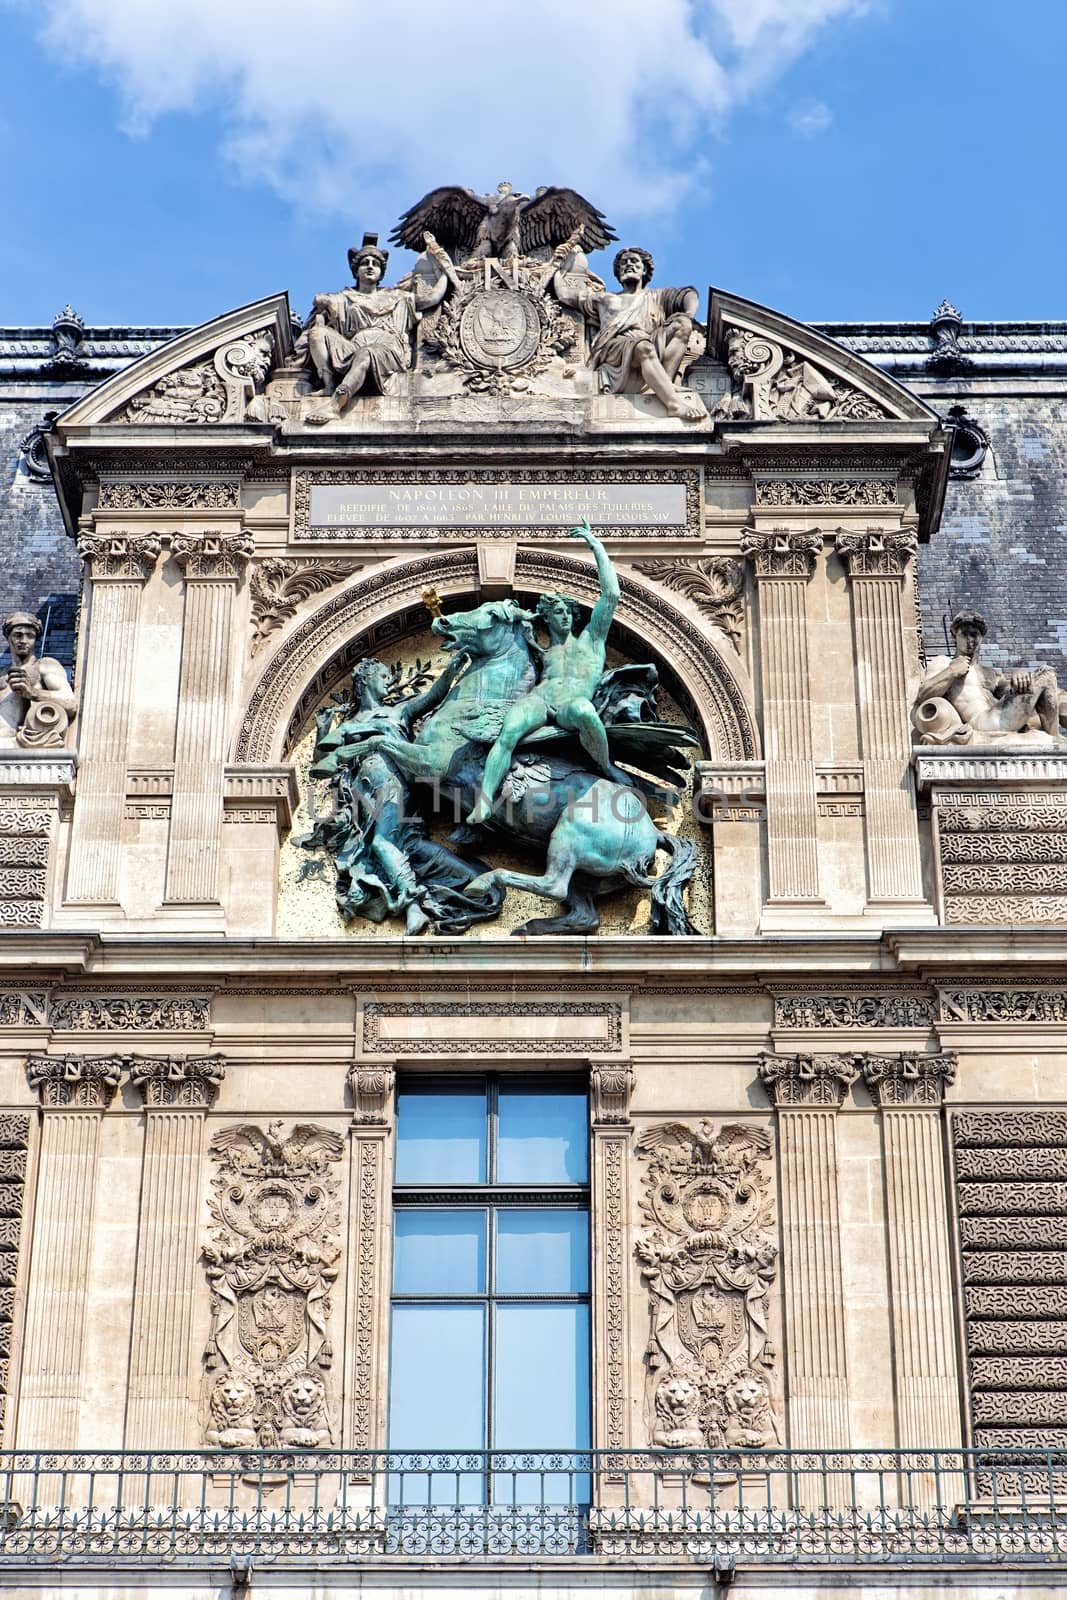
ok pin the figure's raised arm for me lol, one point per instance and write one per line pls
(432, 697)
(604, 610)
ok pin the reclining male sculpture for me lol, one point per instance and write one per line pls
(961, 702)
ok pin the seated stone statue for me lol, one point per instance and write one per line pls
(37, 703)
(362, 336)
(961, 702)
(640, 337)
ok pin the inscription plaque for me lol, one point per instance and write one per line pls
(384, 505)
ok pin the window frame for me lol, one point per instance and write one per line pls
(491, 1198)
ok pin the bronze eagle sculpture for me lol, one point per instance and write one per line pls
(505, 224)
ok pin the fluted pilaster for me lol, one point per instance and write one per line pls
(118, 568)
(177, 1091)
(784, 563)
(909, 1090)
(807, 1092)
(877, 563)
(74, 1091)
(213, 565)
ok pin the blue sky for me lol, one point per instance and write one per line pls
(166, 160)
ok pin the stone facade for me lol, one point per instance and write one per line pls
(822, 1041)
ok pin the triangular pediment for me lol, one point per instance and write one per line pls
(782, 371)
(211, 374)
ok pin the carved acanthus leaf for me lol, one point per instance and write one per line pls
(803, 1080)
(770, 381)
(279, 586)
(709, 1260)
(217, 388)
(66, 1082)
(716, 587)
(781, 553)
(189, 1081)
(874, 553)
(910, 1078)
(212, 555)
(119, 555)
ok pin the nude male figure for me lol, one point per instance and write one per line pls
(986, 700)
(573, 667)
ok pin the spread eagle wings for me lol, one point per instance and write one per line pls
(451, 214)
(670, 1141)
(554, 214)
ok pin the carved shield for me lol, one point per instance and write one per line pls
(499, 328)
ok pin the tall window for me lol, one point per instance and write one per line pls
(490, 1312)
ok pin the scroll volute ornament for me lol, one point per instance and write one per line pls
(708, 1258)
(272, 1258)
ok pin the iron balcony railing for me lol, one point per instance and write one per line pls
(721, 1508)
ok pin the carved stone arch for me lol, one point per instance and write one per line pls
(380, 608)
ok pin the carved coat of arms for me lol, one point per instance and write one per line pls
(709, 1260)
(271, 1260)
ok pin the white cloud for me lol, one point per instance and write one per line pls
(811, 117)
(341, 105)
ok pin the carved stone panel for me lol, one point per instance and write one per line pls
(14, 1146)
(1012, 1203)
(1003, 856)
(271, 1260)
(708, 1257)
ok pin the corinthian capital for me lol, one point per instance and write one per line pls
(191, 1082)
(84, 1083)
(781, 553)
(803, 1080)
(126, 556)
(876, 553)
(212, 555)
(909, 1079)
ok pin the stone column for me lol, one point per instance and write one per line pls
(910, 1089)
(160, 1405)
(213, 565)
(369, 1257)
(784, 563)
(119, 567)
(74, 1091)
(611, 1087)
(876, 562)
(807, 1092)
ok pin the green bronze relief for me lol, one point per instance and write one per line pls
(517, 742)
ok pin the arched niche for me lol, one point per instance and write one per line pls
(382, 607)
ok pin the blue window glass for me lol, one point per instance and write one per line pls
(490, 1333)
(544, 1135)
(542, 1252)
(441, 1133)
(439, 1252)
